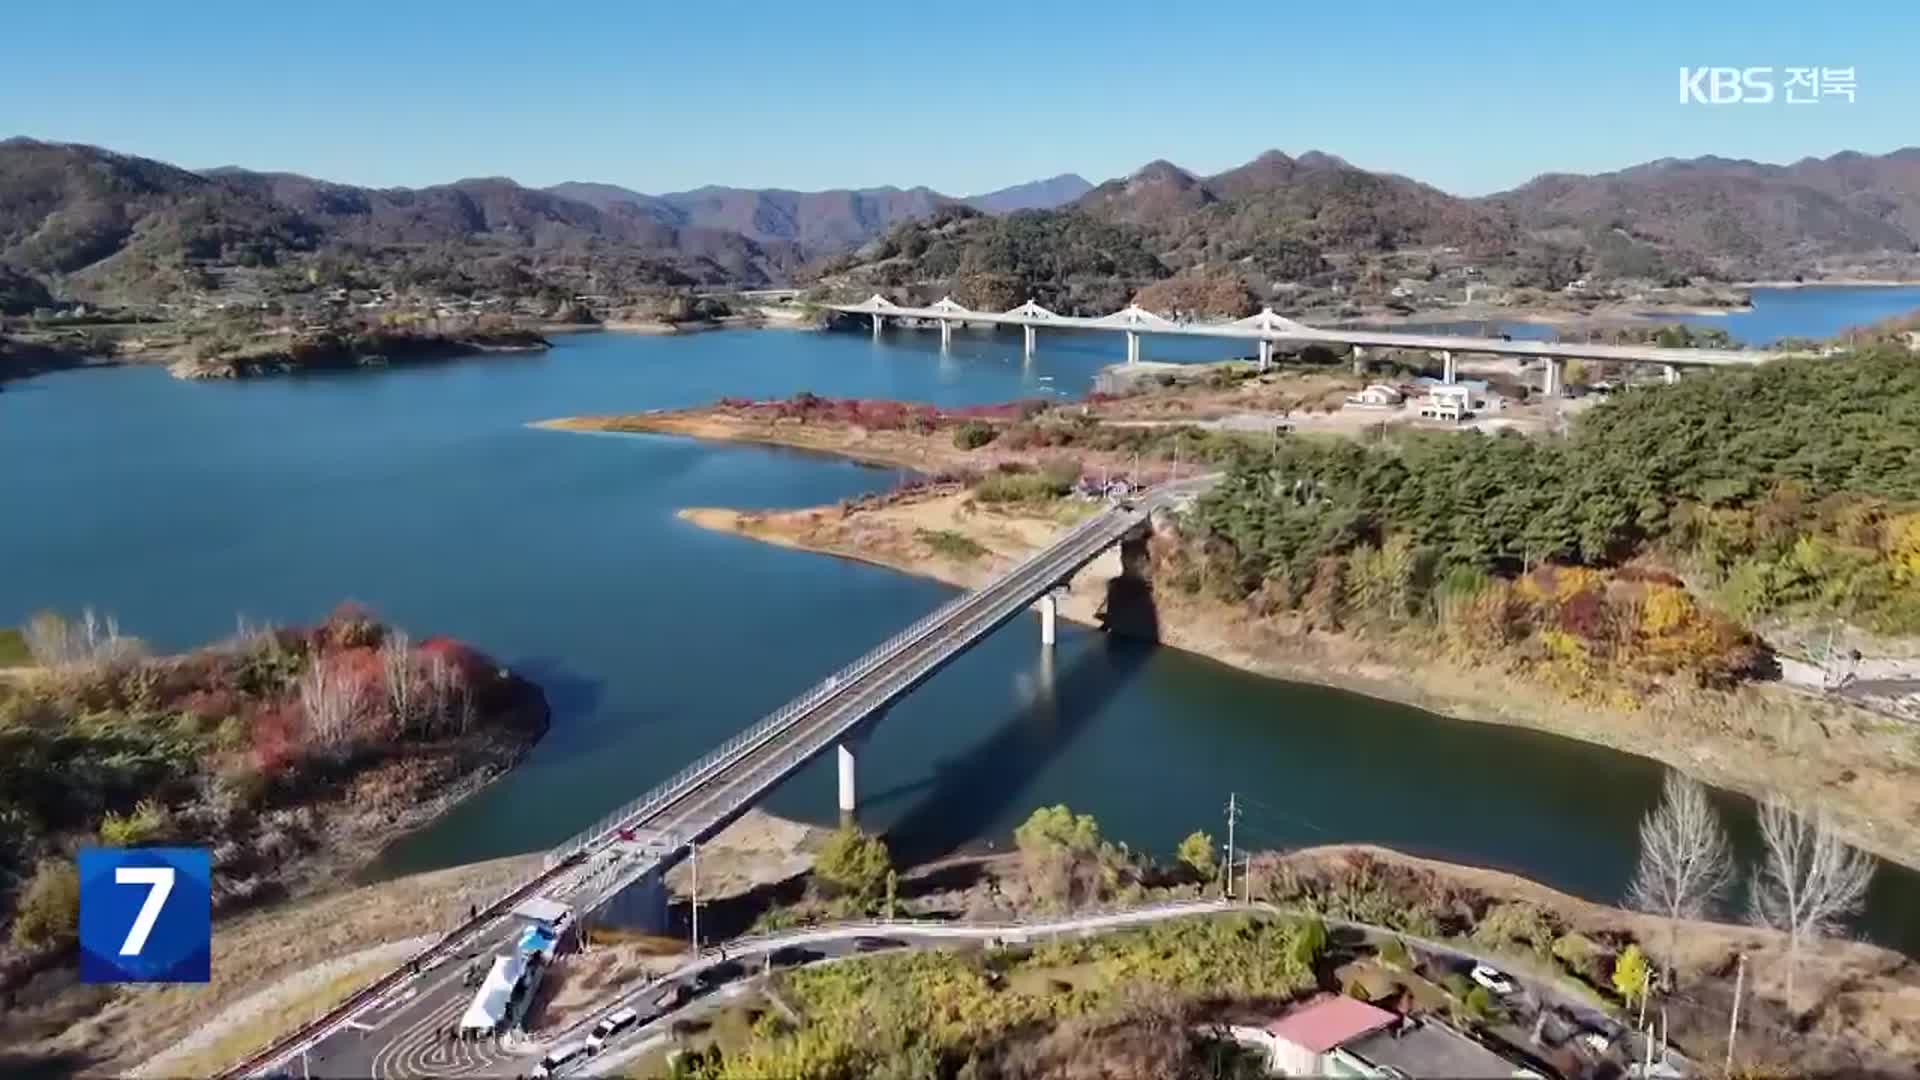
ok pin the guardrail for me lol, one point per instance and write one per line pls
(962, 631)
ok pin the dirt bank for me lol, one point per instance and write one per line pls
(1755, 739)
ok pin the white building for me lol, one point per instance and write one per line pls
(1377, 396)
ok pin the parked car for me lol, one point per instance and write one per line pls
(613, 1025)
(875, 944)
(1492, 978)
(794, 956)
(560, 1056)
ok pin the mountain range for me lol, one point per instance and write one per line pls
(86, 222)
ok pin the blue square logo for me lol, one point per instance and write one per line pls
(146, 915)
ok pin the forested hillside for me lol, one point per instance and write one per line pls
(1793, 488)
(1067, 261)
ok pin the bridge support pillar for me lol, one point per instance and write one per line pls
(1359, 360)
(1049, 615)
(946, 333)
(878, 322)
(1133, 346)
(1029, 333)
(1556, 379)
(1266, 354)
(640, 906)
(1448, 373)
(1670, 373)
(849, 792)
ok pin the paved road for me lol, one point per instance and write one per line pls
(843, 940)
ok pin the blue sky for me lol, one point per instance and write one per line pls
(1472, 97)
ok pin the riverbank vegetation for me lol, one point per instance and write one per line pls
(286, 751)
(987, 1013)
(228, 350)
(1791, 489)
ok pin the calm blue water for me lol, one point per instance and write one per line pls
(423, 493)
(1815, 311)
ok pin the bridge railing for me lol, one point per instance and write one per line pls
(1070, 550)
(611, 823)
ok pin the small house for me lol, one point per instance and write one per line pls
(1299, 1042)
(1447, 401)
(1377, 396)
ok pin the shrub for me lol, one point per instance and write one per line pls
(142, 826)
(1516, 924)
(13, 649)
(1393, 953)
(1196, 852)
(974, 434)
(1457, 984)
(1478, 1003)
(855, 861)
(49, 912)
(951, 544)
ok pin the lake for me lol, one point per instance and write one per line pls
(1809, 311)
(423, 493)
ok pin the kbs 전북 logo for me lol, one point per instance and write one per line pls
(146, 915)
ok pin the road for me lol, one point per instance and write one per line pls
(406, 1038)
(840, 941)
(702, 799)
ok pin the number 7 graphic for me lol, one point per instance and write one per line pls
(159, 880)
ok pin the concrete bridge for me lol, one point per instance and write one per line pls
(1268, 329)
(628, 852)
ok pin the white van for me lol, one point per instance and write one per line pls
(606, 1029)
(560, 1056)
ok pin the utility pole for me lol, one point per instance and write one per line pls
(1233, 815)
(1733, 1025)
(694, 849)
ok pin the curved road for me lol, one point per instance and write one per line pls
(706, 796)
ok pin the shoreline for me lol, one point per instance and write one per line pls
(1736, 740)
(1348, 665)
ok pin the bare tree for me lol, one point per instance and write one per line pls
(55, 641)
(449, 705)
(397, 671)
(1808, 882)
(1686, 863)
(330, 701)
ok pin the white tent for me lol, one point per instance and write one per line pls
(489, 1005)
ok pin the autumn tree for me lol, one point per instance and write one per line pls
(49, 912)
(1062, 853)
(1631, 975)
(1809, 880)
(855, 861)
(1197, 853)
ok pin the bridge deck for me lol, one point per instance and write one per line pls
(705, 807)
(1308, 335)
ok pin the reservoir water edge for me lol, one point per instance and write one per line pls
(423, 493)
